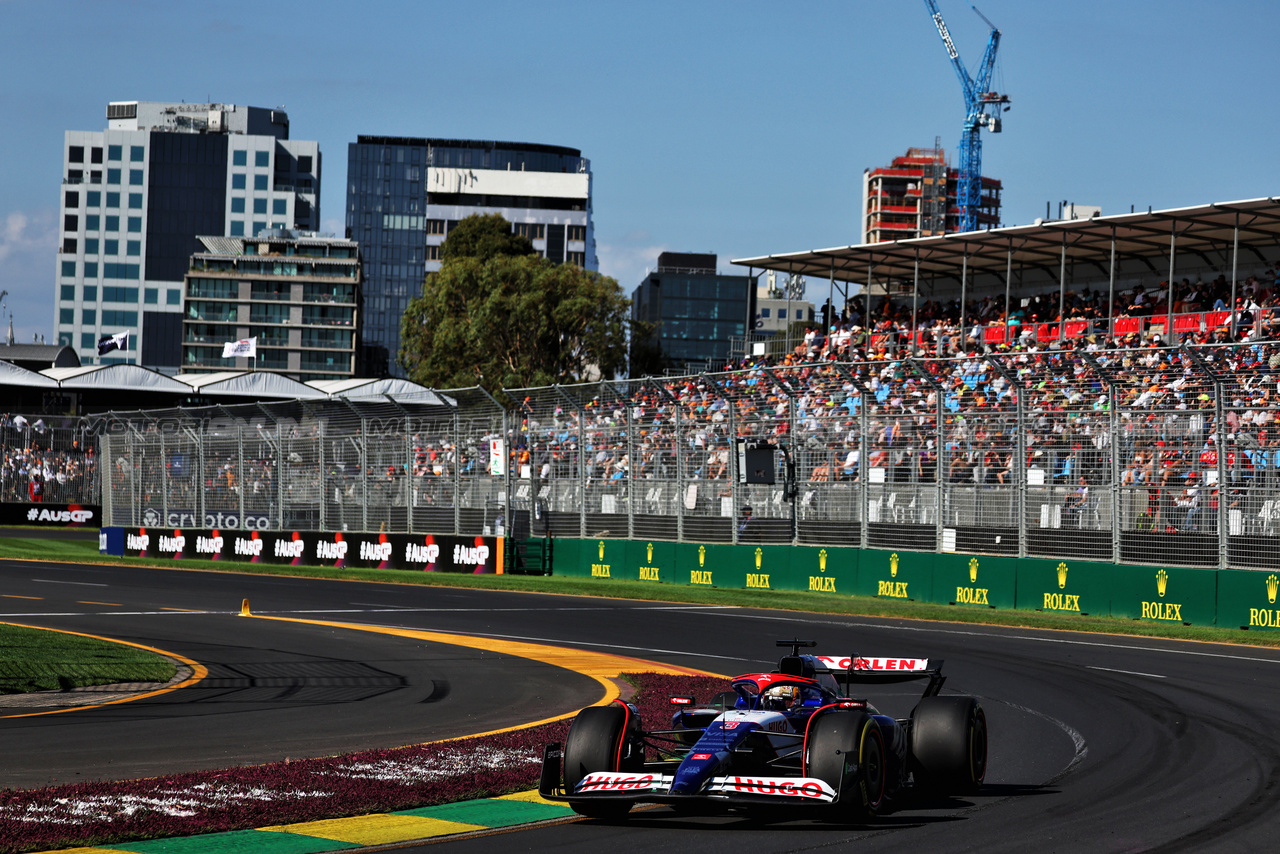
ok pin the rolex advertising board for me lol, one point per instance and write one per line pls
(651, 561)
(1249, 599)
(1064, 586)
(820, 570)
(902, 575)
(977, 581)
(1164, 594)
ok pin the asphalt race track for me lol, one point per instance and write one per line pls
(1098, 743)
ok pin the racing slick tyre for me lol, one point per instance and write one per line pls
(846, 750)
(602, 738)
(949, 745)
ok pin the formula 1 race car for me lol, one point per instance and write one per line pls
(787, 742)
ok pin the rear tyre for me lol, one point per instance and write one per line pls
(846, 750)
(949, 745)
(602, 738)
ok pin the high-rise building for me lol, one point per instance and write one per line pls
(915, 196)
(697, 311)
(404, 194)
(297, 295)
(136, 196)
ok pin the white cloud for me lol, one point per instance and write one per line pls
(630, 260)
(28, 240)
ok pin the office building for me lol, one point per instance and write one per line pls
(404, 194)
(298, 295)
(135, 197)
(915, 196)
(780, 302)
(698, 312)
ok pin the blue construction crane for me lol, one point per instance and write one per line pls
(982, 109)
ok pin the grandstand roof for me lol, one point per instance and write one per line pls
(255, 384)
(1198, 231)
(397, 389)
(129, 377)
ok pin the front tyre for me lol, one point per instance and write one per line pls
(847, 751)
(949, 745)
(602, 738)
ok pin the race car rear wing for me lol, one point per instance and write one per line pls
(862, 670)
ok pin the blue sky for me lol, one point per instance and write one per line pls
(736, 128)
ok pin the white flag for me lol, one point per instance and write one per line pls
(243, 347)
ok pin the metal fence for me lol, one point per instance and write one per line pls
(1161, 456)
(47, 459)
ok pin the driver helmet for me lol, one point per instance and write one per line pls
(782, 697)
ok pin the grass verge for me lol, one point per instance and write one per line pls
(39, 660)
(814, 603)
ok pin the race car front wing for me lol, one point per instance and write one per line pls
(654, 787)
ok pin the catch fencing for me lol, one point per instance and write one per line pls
(47, 459)
(1134, 456)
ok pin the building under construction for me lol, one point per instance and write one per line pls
(915, 196)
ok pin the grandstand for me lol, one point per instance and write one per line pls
(1098, 443)
(1130, 455)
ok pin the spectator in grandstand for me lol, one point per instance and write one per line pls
(1075, 502)
(1189, 501)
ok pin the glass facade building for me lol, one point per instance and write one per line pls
(297, 294)
(135, 197)
(697, 311)
(404, 194)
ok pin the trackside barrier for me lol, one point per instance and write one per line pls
(1157, 594)
(413, 552)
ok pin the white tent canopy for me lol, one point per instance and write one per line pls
(255, 384)
(397, 389)
(11, 374)
(124, 377)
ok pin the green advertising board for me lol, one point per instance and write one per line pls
(896, 575)
(652, 561)
(820, 569)
(1064, 587)
(1247, 598)
(974, 581)
(1164, 594)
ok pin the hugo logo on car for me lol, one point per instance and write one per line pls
(778, 786)
(615, 782)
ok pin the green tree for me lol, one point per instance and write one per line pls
(513, 320)
(484, 237)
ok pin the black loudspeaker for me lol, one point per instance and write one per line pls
(755, 463)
